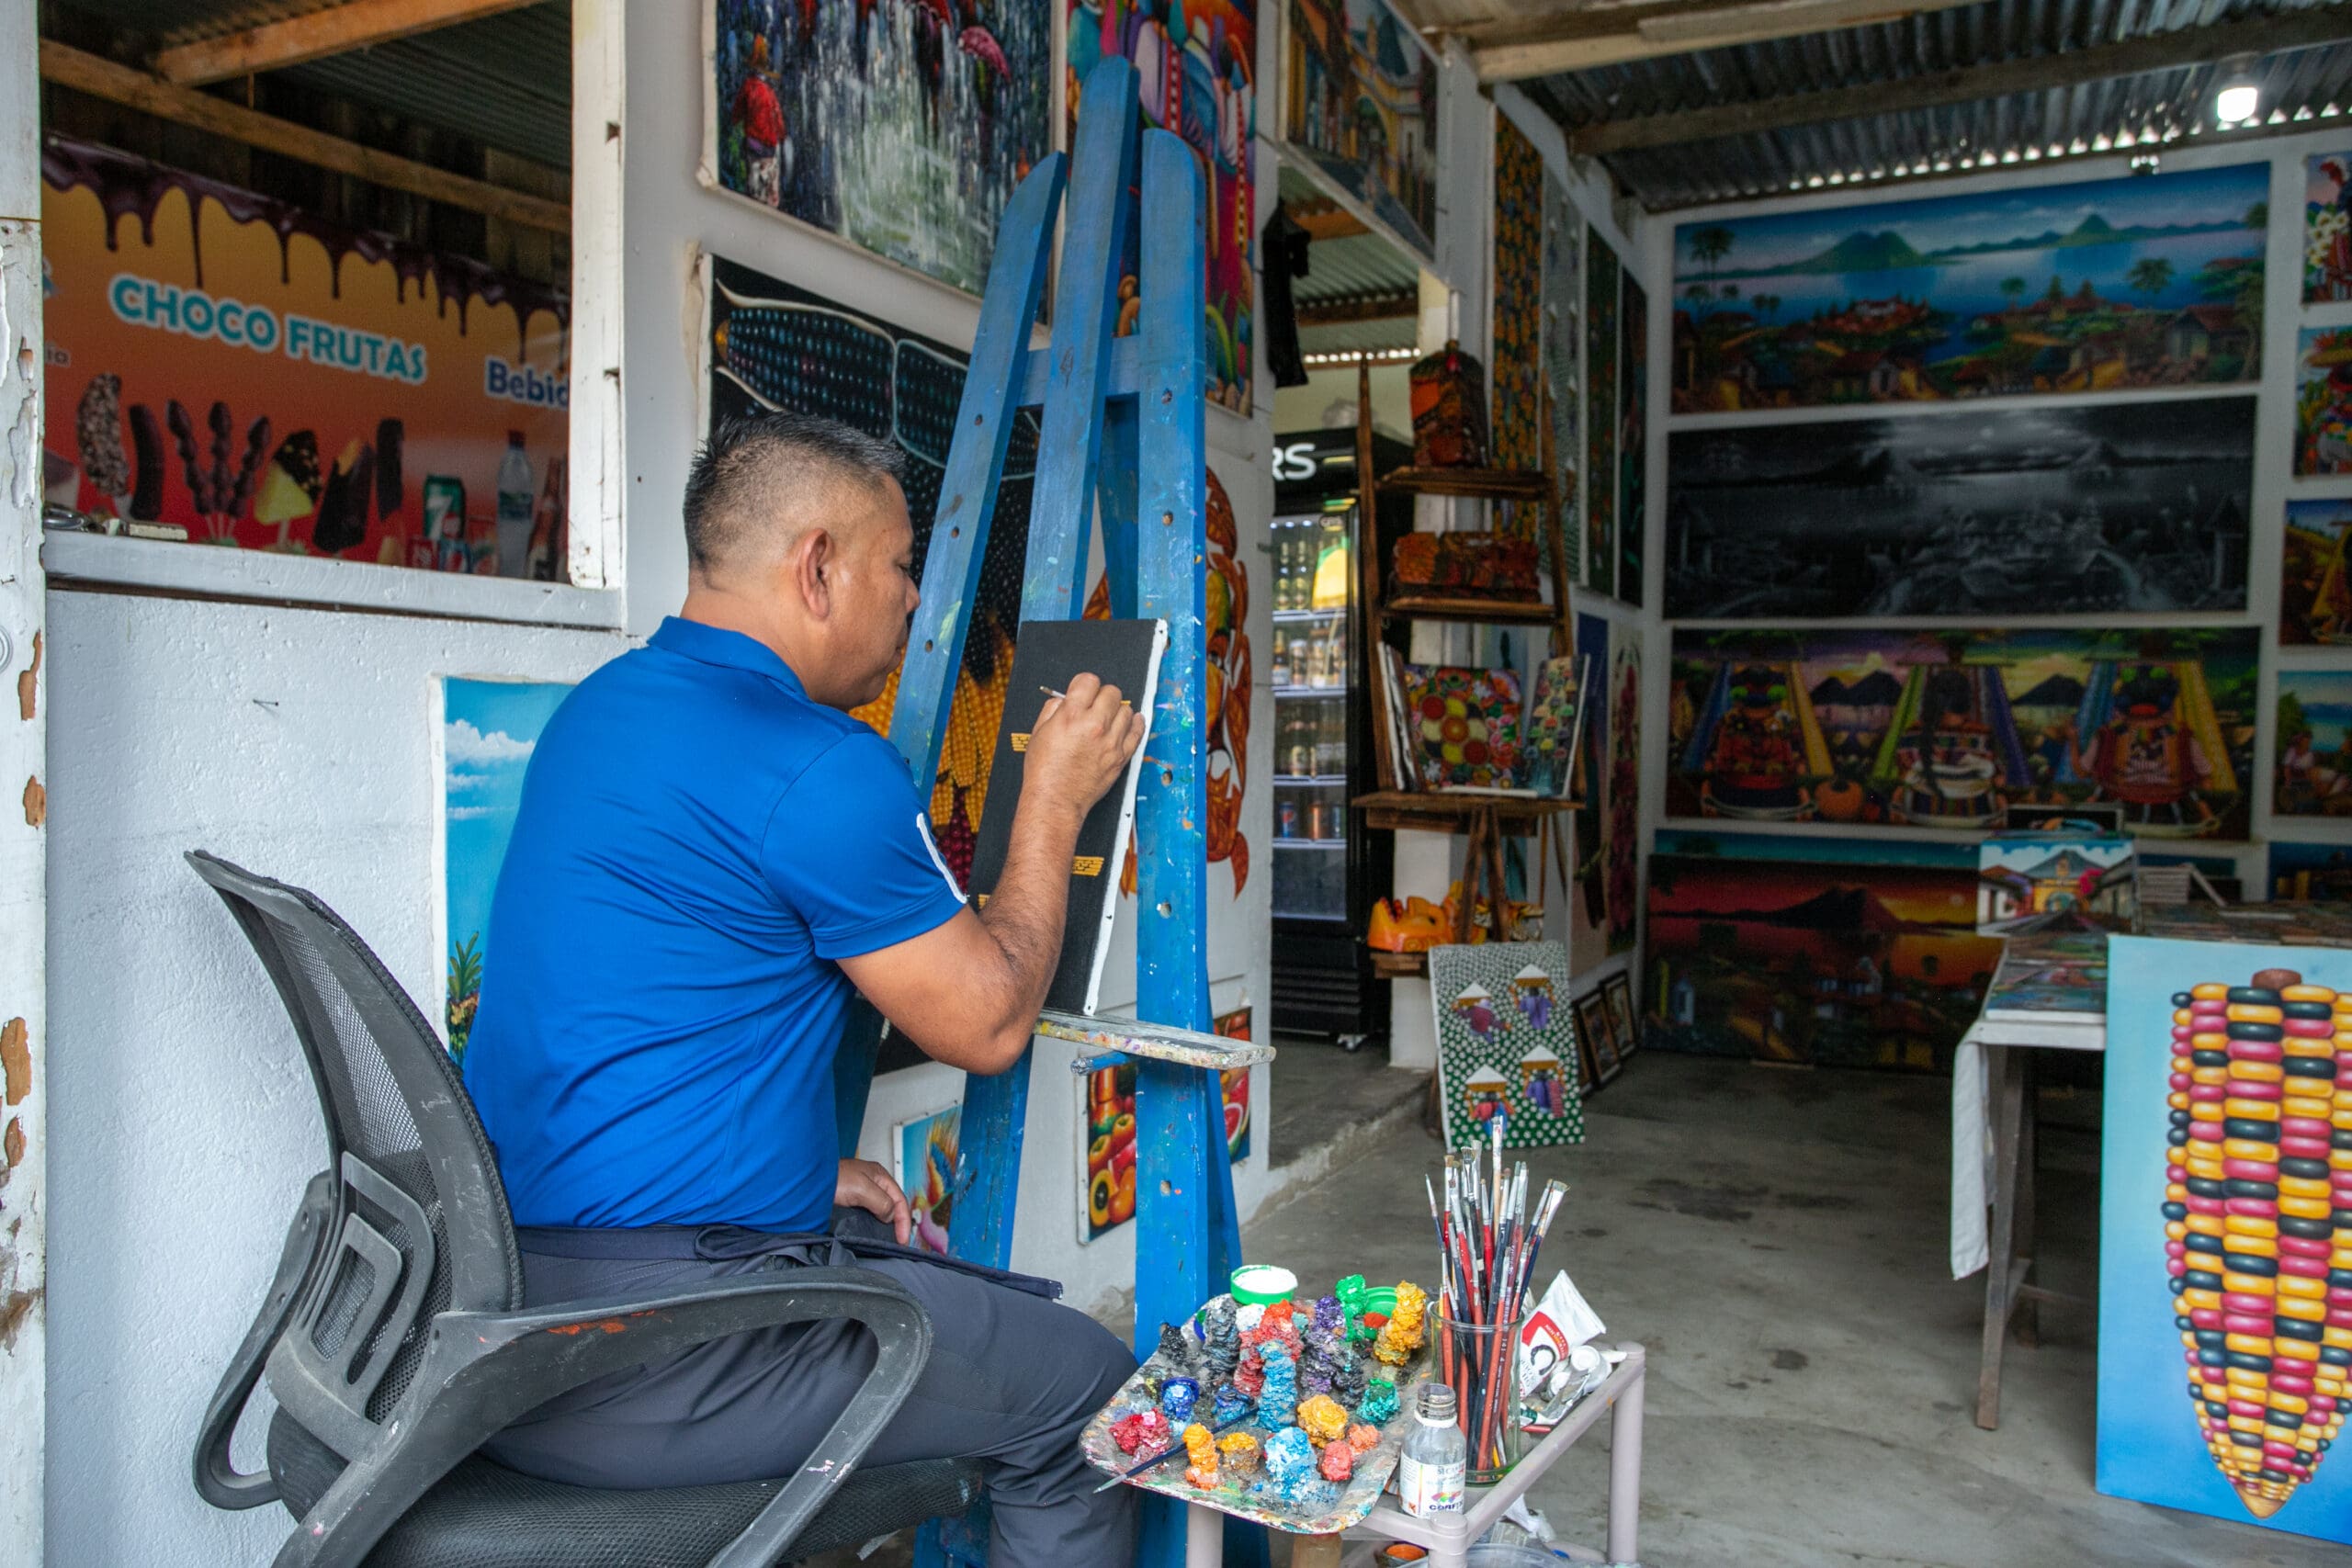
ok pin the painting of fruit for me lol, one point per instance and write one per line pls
(1109, 1134)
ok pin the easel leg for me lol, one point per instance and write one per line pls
(1204, 1537)
(2006, 1092)
(2028, 1311)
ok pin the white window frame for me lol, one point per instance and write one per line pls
(594, 598)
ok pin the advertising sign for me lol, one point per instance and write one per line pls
(221, 363)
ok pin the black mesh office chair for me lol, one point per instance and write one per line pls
(395, 1341)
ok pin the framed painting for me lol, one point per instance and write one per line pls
(1951, 726)
(1603, 276)
(1197, 78)
(2324, 400)
(2224, 1347)
(2328, 228)
(2313, 743)
(2315, 592)
(489, 729)
(901, 130)
(1562, 353)
(1518, 305)
(1602, 1058)
(926, 1154)
(1360, 99)
(1632, 440)
(1983, 511)
(2097, 286)
(1618, 992)
(1465, 725)
(2302, 871)
(1623, 851)
(1506, 1045)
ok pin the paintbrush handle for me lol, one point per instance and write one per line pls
(1175, 1449)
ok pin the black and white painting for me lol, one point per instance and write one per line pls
(2138, 506)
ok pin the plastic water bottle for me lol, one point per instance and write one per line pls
(515, 508)
(1431, 1471)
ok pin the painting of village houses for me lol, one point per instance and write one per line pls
(1360, 93)
(1835, 962)
(1990, 511)
(1949, 728)
(2106, 285)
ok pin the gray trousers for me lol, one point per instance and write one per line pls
(1011, 1381)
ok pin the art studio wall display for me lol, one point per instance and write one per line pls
(1506, 1044)
(2097, 286)
(1589, 895)
(926, 1153)
(1199, 81)
(1107, 1134)
(2324, 400)
(1987, 510)
(776, 347)
(2313, 746)
(1518, 304)
(2315, 589)
(902, 129)
(1360, 103)
(1623, 851)
(2223, 1347)
(1949, 728)
(1834, 960)
(2328, 228)
(2308, 871)
(489, 729)
(1601, 327)
(1563, 349)
(224, 369)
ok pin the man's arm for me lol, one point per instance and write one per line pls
(968, 992)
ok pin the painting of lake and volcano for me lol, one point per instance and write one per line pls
(2150, 280)
(1992, 511)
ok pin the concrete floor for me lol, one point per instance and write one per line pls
(1778, 1241)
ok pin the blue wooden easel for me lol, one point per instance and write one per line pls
(1121, 428)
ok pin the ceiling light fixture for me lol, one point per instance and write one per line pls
(2237, 93)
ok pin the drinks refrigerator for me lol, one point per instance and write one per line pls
(1327, 869)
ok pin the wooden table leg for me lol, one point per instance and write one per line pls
(2005, 1089)
(1314, 1551)
(2028, 1299)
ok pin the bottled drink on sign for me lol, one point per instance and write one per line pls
(514, 499)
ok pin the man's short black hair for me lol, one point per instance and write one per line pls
(750, 459)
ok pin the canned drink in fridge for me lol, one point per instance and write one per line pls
(1286, 820)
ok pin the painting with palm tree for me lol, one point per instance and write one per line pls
(2100, 285)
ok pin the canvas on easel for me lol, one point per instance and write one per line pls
(1506, 1044)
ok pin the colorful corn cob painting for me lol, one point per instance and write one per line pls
(2254, 1195)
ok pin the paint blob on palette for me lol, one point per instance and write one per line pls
(2227, 1177)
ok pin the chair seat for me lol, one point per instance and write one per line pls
(486, 1516)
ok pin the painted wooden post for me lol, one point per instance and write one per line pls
(23, 838)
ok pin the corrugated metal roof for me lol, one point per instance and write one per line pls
(1349, 267)
(2157, 107)
(504, 81)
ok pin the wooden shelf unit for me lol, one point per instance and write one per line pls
(1482, 484)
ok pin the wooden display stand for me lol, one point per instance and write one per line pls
(1395, 805)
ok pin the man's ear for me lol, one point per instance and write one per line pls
(810, 570)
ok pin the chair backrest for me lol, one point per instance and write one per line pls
(420, 1223)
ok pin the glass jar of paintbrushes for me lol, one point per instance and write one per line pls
(1488, 1239)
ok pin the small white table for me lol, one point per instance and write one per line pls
(1448, 1537)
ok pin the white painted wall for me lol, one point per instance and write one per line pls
(297, 743)
(24, 1038)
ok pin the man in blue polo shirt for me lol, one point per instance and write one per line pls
(709, 855)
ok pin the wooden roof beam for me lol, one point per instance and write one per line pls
(337, 29)
(1544, 45)
(103, 78)
(1975, 83)
(1343, 308)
